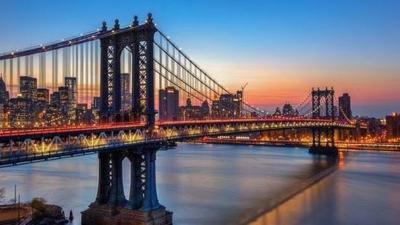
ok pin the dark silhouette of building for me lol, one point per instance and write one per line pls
(287, 110)
(393, 125)
(169, 103)
(227, 106)
(55, 99)
(28, 87)
(4, 95)
(43, 94)
(345, 107)
(278, 112)
(205, 109)
(21, 112)
(125, 92)
(96, 103)
(71, 84)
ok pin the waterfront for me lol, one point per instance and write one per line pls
(224, 184)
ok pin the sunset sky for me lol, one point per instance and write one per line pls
(282, 48)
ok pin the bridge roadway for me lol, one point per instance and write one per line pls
(31, 145)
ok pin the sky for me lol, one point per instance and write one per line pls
(281, 48)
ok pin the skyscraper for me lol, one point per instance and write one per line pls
(43, 94)
(393, 125)
(4, 96)
(125, 92)
(28, 87)
(169, 103)
(345, 106)
(70, 83)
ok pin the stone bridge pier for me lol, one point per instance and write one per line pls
(111, 206)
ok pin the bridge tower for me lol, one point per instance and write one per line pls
(111, 206)
(138, 39)
(323, 98)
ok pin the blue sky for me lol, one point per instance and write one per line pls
(281, 47)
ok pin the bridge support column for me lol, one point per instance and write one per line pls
(318, 148)
(117, 196)
(104, 178)
(111, 207)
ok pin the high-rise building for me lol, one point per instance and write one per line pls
(43, 94)
(28, 87)
(125, 92)
(96, 103)
(21, 112)
(4, 96)
(345, 107)
(287, 110)
(393, 125)
(64, 95)
(65, 105)
(228, 106)
(55, 99)
(71, 84)
(205, 109)
(169, 103)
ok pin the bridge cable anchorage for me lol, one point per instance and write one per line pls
(212, 85)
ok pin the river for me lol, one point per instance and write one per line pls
(227, 184)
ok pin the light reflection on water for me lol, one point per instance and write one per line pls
(365, 190)
(201, 184)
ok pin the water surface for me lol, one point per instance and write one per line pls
(201, 184)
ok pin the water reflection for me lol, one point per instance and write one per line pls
(364, 191)
(201, 184)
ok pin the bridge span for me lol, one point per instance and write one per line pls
(33, 145)
(154, 62)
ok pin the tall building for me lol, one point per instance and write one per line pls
(21, 112)
(43, 94)
(55, 99)
(345, 107)
(205, 109)
(4, 96)
(96, 103)
(28, 87)
(125, 92)
(169, 103)
(393, 125)
(287, 110)
(227, 106)
(71, 84)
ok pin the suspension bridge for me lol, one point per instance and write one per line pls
(121, 71)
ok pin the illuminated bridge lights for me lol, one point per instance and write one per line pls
(83, 139)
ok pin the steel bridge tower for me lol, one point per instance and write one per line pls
(111, 206)
(323, 98)
(138, 39)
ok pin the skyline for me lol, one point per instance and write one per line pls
(327, 45)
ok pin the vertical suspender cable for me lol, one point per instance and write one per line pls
(11, 76)
(87, 71)
(96, 73)
(91, 71)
